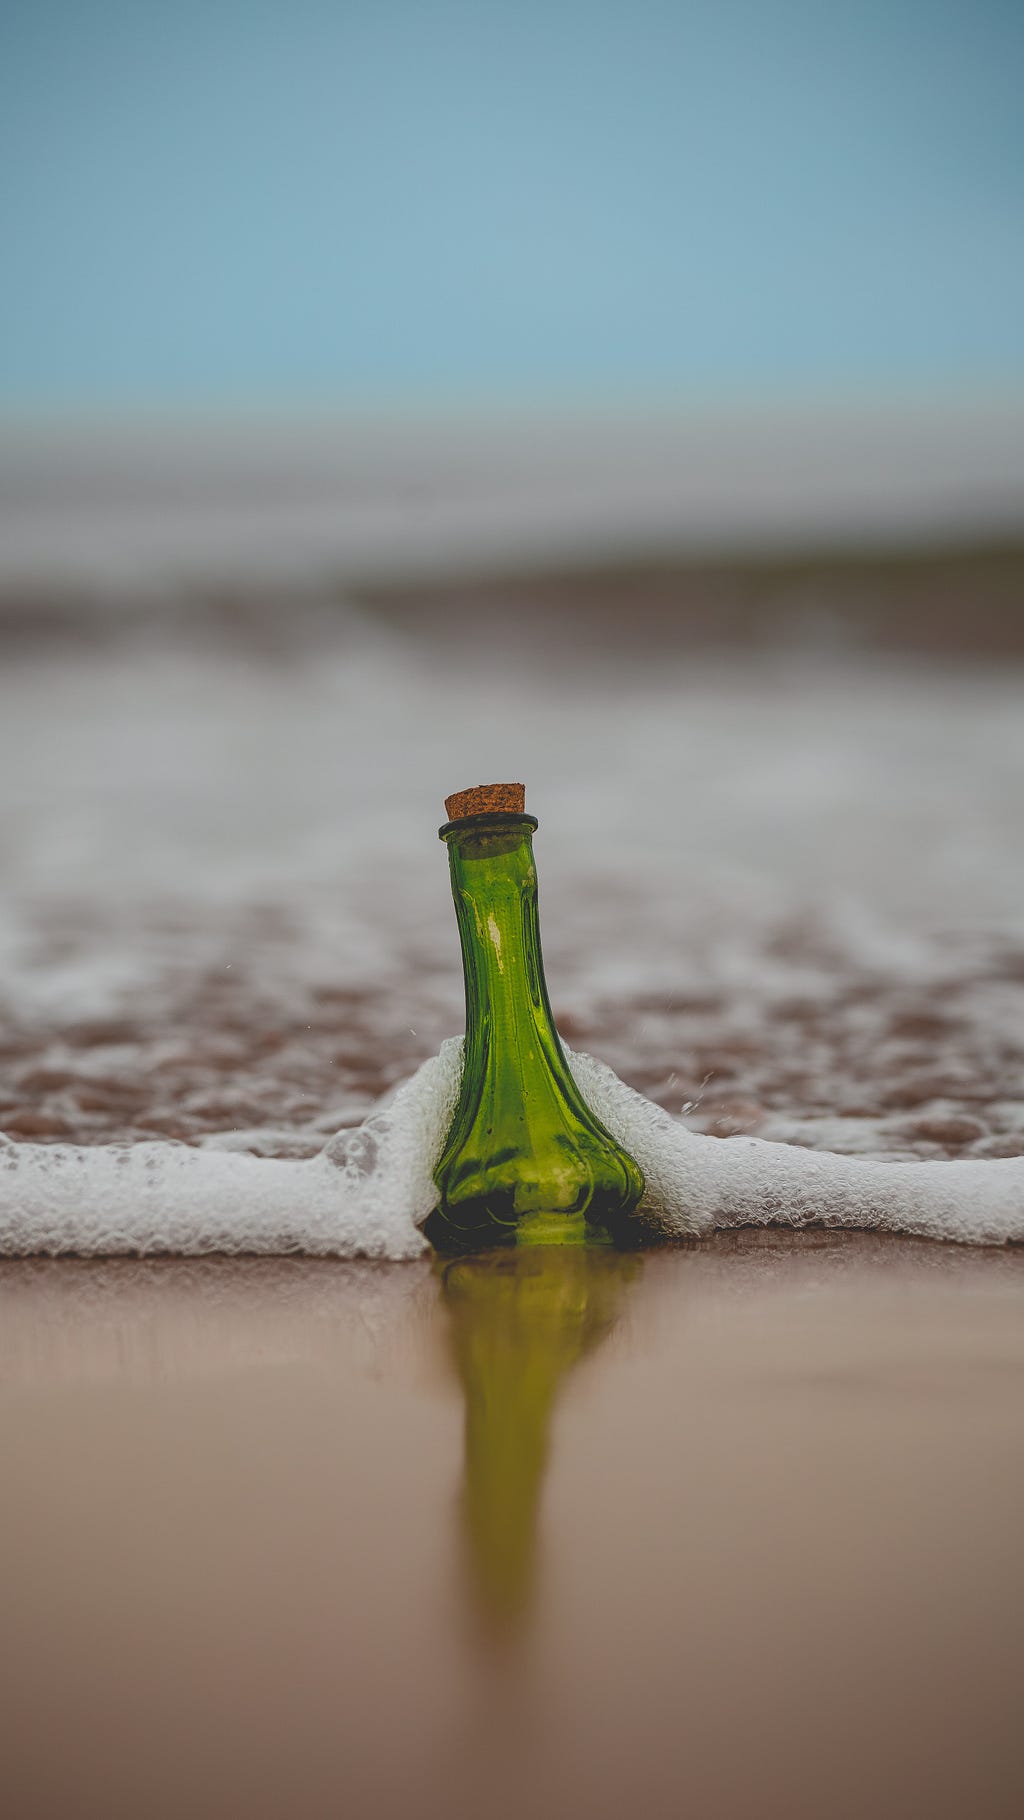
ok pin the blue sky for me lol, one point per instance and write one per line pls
(238, 202)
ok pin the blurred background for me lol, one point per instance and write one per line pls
(624, 399)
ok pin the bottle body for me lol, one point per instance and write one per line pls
(525, 1161)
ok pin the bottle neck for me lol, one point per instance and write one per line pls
(494, 885)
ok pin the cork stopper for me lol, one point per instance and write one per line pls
(486, 799)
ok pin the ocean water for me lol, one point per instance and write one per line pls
(780, 895)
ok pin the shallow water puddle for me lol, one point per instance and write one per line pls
(730, 1530)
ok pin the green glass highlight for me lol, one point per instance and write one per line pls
(525, 1161)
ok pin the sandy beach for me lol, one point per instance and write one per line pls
(556, 1354)
(731, 1529)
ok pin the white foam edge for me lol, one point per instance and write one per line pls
(369, 1190)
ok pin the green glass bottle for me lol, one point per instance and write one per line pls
(525, 1161)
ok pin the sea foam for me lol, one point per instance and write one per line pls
(367, 1193)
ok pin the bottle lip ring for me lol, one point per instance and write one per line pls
(492, 818)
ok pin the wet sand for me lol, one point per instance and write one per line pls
(730, 1530)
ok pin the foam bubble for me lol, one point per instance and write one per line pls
(368, 1191)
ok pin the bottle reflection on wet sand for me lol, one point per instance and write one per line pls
(519, 1320)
